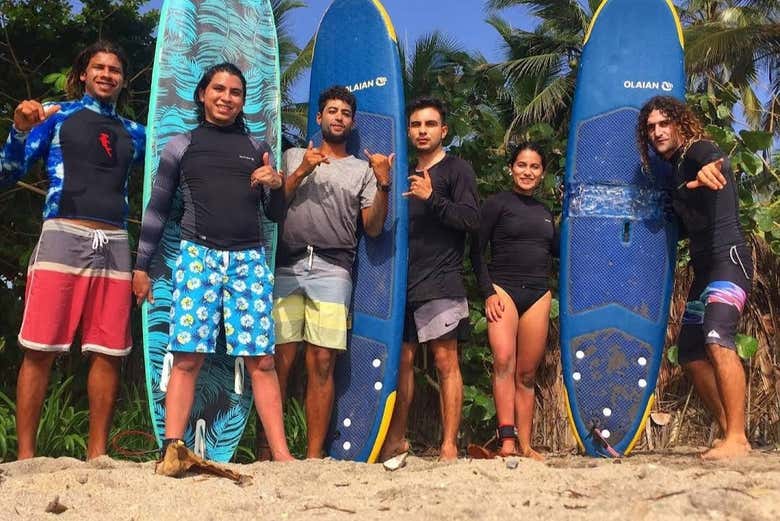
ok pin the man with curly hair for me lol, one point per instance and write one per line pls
(705, 200)
(79, 272)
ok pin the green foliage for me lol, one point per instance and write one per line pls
(759, 180)
(295, 427)
(673, 355)
(747, 346)
(7, 428)
(64, 424)
(555, 309)
(131, 419)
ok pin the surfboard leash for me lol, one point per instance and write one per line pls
(129, 453)
(601, 441)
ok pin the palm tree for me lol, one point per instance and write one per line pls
(730, 43)
(541, 65)
(293, 62)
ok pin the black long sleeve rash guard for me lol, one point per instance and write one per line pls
(213, 166)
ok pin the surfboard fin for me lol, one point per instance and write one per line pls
(200, 438)
(165, 376)
(238, 384)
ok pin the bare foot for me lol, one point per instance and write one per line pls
(449, 452)
(508, 448)
(530, 453)
(284, 457)
(728, 449)
(391, 450)
(719, 441)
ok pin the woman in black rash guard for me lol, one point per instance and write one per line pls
(522, 237)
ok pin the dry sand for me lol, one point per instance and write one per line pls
(671, 485)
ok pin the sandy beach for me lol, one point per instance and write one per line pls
(669, 485)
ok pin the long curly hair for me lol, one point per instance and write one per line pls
(74, 87)
(677, 111)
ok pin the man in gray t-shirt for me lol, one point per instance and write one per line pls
(325, 208)
(327, 190)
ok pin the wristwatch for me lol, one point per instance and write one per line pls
(383, 188)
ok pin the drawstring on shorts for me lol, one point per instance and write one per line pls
(99, 239)
(734, 256)
(310, 252)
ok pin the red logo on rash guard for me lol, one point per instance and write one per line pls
(105, 142)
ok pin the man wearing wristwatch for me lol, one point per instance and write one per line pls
(328, 191)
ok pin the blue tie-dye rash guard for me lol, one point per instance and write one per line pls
(88, 151)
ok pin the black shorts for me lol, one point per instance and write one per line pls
(715, 303)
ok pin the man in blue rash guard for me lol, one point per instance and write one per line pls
(79, 272)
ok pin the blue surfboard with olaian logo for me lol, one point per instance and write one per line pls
(193, 35)
(617, 245)
(356, 46)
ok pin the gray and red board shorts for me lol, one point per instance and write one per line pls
(78, 277)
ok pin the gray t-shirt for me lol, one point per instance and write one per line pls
(325, 209)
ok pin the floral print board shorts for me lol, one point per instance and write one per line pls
(215, 287)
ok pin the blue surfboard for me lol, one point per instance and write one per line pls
(193, 35)
(356, 46)
(617, 245)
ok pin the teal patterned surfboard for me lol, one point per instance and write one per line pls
(192, 36)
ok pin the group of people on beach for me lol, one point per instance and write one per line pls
(80, 274)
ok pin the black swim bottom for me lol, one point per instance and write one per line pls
(715, 303)
(523, 295)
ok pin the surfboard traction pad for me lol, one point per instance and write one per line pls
(193, 36)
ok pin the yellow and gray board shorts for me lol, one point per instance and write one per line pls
(311, 303)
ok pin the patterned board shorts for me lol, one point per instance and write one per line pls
(230, 287)
(715, 302)
(78, 276)
(311, 303)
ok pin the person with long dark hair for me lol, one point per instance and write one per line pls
(705, 200)
(221, 274)
(79, 272)
(520, 233)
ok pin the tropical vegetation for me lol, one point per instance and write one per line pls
(732, 57)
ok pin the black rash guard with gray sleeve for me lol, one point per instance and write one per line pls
(213, 166)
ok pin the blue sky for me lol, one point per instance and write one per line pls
(462, 20)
